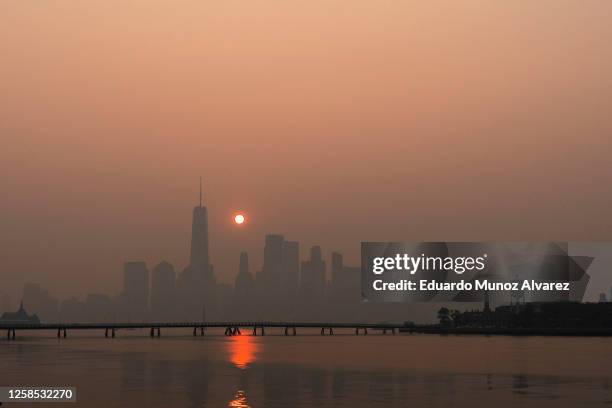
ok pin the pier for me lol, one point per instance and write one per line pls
(231, 328)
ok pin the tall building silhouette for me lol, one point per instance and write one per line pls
(243, 296)
(163, 295)
(312, 278)
(337, 265)
(135, 296)
(196, 284)
(199, 257)
(243, 287)
(290, 267)
(272, 267)
(276, 283)
(345, 280)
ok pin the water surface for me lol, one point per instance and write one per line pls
(312, 370)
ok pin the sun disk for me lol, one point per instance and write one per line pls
(239, 219)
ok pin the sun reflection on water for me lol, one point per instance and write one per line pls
(242, 350)
(239, 401)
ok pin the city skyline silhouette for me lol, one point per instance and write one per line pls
(291, 283)
(409, 124)
(162, 293)
(231, 203)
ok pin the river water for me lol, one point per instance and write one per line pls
(343, 370)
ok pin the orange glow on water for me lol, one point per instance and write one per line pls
(239, 401)
(242, 350)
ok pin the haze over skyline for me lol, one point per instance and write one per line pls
(328, 122)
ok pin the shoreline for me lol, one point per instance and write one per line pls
(495, 331)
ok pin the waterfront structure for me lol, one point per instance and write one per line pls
(19, 317)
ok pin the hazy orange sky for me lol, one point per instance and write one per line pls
(329, 121)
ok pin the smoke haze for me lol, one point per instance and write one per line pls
(330, 122)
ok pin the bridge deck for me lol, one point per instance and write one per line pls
(221, 324)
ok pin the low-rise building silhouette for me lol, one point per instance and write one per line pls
(20, 316)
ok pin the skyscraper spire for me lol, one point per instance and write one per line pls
(199, 237)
